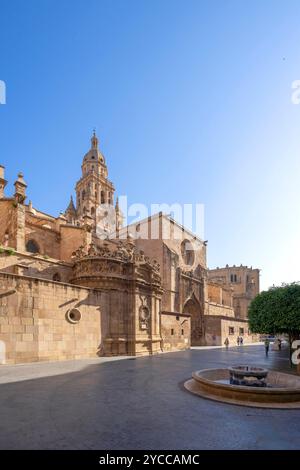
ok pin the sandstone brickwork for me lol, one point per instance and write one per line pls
(243, 281)
(33, 320)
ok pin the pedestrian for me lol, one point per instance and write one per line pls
(241, 341)
(226, 342)
(267, 346)
(238, 340)
(279, 344)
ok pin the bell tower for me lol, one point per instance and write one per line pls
(94, 187)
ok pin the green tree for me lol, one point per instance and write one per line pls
(277, 311)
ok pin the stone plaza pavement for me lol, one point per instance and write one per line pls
(137, 403)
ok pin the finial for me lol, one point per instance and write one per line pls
(94, 140)
(20, 179)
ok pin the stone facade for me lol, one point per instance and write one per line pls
(81, 285)
(244, 283)
(35, 323)
(175, 331)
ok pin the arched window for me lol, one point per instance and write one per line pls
(83, 195)
(102, 197)
(93, 211)
(56, 277)
(32, 247)
(109, 198)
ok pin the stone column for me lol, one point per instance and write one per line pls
(20, 227)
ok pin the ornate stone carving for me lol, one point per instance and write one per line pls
(144, 314)
(118, 254)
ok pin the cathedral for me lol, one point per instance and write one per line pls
(84, 285)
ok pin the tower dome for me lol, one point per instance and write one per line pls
(94, 154)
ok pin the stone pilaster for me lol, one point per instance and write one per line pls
(20, 227)
(3, 182)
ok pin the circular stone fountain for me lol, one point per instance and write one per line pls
(248, 386)
(248, 375)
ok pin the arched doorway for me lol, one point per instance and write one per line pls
(193, 307)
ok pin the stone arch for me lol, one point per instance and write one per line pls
(2, 352)
(32, 246)
(193, 307)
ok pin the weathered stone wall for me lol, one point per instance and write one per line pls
(33, 322)
(217, 329)
(244, 282)
(214, 293)
(227, 297)
(237, 325)
(48, 240)
(35, 266)
(8, 222)
(213, 335)
(71, 239)
(175, 331)
(217, 310)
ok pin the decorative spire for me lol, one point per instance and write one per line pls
(20, 179)
(117, 205)
(71, 207)
(94, 140)
(20, 189)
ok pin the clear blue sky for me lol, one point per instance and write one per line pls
(191, 101)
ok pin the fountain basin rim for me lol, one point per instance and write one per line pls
(204, 383)
(244, 389)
